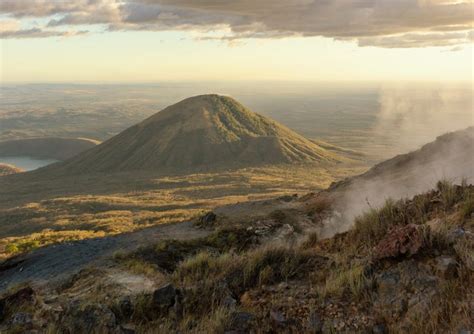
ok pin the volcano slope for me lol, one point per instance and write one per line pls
(449, 157)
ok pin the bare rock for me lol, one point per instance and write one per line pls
(208, 219)
(379, 329)
(241, 322)
(165, 297)
(21, 319)
(126, 307)
(277, 317)
(400, 241)
(229, 302)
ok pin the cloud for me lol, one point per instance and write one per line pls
(381, 23)
(11, 29)
(416, 40)
(38, 33)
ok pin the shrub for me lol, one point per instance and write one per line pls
(284, 263)
(12, 248)
(204, 266)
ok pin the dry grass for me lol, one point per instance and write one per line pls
(311, 240)
(106, 204)
(449, 310)
(205, 266)
(12, 246)
(373, 225)
(352, 280)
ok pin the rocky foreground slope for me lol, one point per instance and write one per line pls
(404, 268)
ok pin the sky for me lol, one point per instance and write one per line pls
(187, 40)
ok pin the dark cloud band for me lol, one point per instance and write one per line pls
(383, 23)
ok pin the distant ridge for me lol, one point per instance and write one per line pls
(46, 148)
(7, 169)
(201, 132)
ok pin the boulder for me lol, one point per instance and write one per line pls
(208, 219)
(126, 307)
(165, 297)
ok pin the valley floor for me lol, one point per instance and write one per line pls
(37, 211)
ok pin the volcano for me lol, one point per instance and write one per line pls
(200, 133)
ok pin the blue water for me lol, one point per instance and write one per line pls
(26, 163)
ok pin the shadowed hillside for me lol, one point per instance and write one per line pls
(199, 133)
(449, 157)
(46, 148)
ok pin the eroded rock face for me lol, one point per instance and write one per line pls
(400, 241)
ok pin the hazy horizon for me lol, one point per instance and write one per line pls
(380, 120)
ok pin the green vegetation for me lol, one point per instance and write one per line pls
(28, 243)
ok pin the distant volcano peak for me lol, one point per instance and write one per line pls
(201, 132)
